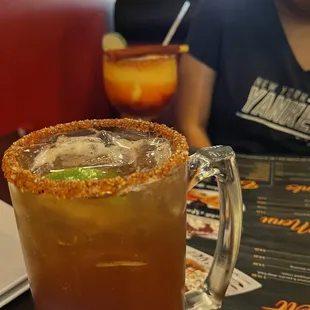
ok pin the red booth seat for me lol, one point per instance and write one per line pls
(50, 62)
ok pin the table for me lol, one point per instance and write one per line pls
(260, 257)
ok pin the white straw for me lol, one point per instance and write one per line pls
(177, 22)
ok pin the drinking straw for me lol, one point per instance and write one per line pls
(177, 22)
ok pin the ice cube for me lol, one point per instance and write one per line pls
(131, 135)
(124, 150)
(152, 153)
(162, 150)
(77, 152)
(123, 138)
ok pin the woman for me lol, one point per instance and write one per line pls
(246, 80)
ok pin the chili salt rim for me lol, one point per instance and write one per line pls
(141, 61)
(27, 181)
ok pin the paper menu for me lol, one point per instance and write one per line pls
(240, 283)
(12, 267)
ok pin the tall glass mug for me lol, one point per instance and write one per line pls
(101, 211)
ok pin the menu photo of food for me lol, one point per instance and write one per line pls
(203, 212)
(198, 226)
(209, 198)
(198, 265)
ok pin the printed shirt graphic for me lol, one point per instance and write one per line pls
(261, 100)
(278, 107)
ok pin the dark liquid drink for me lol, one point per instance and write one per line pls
(122, 251)
(105, 253)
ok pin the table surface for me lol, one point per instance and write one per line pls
(272, 291)
(24, 302)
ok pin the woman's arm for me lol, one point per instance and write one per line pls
(198, 70)
(196, 82)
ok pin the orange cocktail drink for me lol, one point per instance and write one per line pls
(140, 81)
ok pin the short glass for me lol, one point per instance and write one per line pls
(139, 81)
(119, 243)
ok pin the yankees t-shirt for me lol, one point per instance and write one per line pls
(261, 99)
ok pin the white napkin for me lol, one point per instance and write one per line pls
(13, 277)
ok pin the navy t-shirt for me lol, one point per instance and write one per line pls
(261, 100)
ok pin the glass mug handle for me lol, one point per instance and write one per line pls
(218, 161)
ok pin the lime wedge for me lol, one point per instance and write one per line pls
(80, 174)
(113, 41)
